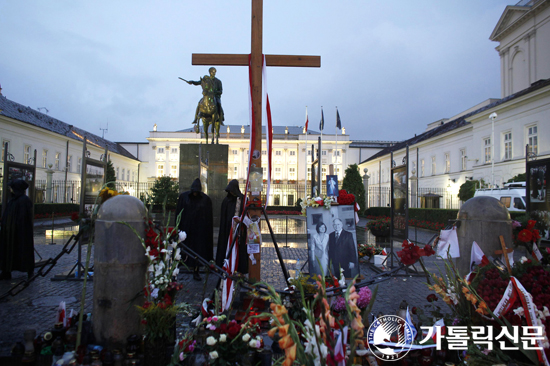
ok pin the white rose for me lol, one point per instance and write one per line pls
(246, 337)
(213, 355)
(182, 235)
(523, 260)
(254, 343)
(211, 341)
(223, 338)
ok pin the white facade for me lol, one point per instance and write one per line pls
(57, 144)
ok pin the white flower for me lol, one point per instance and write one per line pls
(223, 338)
(211, 341)
(151, 268)
(254, 343)
(177, 257)
(182, 236)
(176, 271)
(213, 355)
(155, 293)
(545, 311)
(173, 245)
(246, 337)
(519, 311)
(523, 260)
(163, 251)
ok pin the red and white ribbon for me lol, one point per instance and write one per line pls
(230, 264)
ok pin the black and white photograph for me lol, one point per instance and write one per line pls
(332, 241)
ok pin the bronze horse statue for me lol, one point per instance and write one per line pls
(209, 108)
(208, 111)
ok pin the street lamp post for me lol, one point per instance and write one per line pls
(492, 117)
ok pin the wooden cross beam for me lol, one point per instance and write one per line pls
(505, 252)
(256, 71)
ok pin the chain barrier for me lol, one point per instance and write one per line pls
(43, 271)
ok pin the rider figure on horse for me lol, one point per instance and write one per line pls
(213, 85)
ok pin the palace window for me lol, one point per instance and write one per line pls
(79, 167)
(173, 171)
(463, 159)
(278, 153)
(532, 139)
(308, 173)
(324, 153)
(235, 152)
(447, 162)
(173, 150)
(133, 176)
(117, 173)
(433, 165)
(27, 154)
(292, 173)
(487, 149)
(57, 157)
(292, 153)
(160, 150)
(422, 167)
(44, 158)
(70, 163)
(160, 170)
(264, 152)
(277, 173)
(508, 145)
(235, 172)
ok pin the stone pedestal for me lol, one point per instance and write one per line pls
(217, 172)
(119, 270)
(482, 219)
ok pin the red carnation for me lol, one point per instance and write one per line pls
(432, 298)
(428, 250)
(525, 236)
(531, 224)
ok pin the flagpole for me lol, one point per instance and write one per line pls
(336, 137)
(305, 177)
(320, 152)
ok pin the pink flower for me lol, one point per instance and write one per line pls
(340, 304)
(365, 294)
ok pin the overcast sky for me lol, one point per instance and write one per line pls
(391, 67)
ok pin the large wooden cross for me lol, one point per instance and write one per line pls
(256, 70)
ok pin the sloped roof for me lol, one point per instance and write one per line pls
(456, 123)
(28, 115)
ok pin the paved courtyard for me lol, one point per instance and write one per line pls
(35, 307)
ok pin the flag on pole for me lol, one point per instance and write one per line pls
(307, 120)
(338, 122)
(322, 123)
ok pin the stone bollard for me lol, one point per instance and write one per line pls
(482, 219)
(119, 270)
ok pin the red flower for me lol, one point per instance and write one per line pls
(536, 235)
(144, 321)
(428, 250)
(74, 216)
(432, 298)
(414, 310)
(531, 224)
(233, 330)
(525, 236)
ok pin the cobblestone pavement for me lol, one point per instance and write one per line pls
(35, 307)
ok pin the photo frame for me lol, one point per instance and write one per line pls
(332, 186)
(327, 251)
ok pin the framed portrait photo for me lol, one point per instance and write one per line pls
(332, 241)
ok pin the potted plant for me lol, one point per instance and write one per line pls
(379, 227)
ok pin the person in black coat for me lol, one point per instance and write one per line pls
(232, 205)
(197, 222)
(16, 234)
(342, 250)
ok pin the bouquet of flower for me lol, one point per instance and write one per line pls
(315, 202)
(230, 341)
(321, 330)
(369, 250)
(184, 346)
(411, 253)
(345, 198)
(161, 248)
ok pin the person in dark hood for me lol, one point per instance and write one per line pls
(232, 205)
(16, 234)
(197, 222)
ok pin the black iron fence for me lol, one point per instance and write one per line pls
(425, 198)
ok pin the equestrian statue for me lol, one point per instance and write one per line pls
(209, 108)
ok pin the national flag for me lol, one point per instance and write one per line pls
(322, 123)
(384, 252)
(410, 323)
(477, 256)
(338, 122)
(307, 120)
